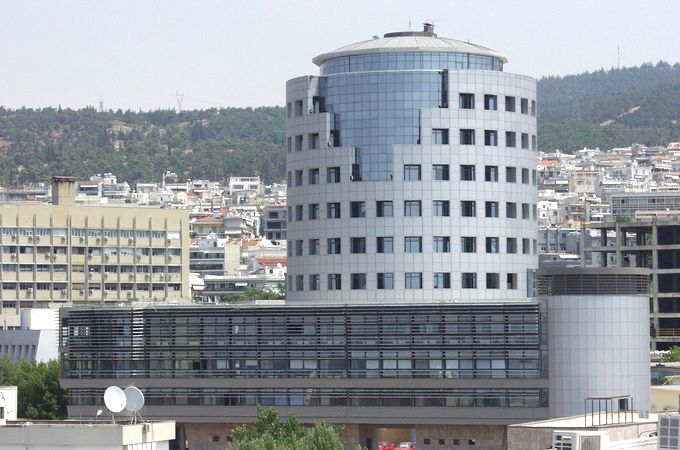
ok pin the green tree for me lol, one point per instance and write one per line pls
(251, 294)
(270, 433)
(673, 354)
(40, 395)
(7, 369)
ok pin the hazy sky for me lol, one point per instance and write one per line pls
(137, 53)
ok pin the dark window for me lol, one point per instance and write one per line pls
(491, 209)
(525, 141)
(492, 245)
(358, 245)
(440, 208)
(511, 174)
(511, 281)
(314, 282)
(298, 143)
(299, 282)
(333, 210)
(413, 280)
(298, 177)
(299, 211)
(491, 137)
(385, 280)
(413, 244)
(510, 139)
(313, 141)
(490, 102)
(384, 208)
(468, 244)
(298, 247)
(509, 103)
(357, 209)
(334, 246)
(511, 210)
(511, 245)
(490, 173)
(524, 106)
(466, 101)
(533, 142)
(442, 280)
(441, 244)
(412, 208)
(333, 175)
(467, 137)
(384, 244)
(440, 172)
(313, 176)
(525, 211)
(334, 281)
(525, 176)
(298, 108)
(440, 136)
(314, 247)
(358, 281)
(467, 173)
(526, 246)
(411, 172)
(533, 107)
(313, 211)
(335, 138)
(468, 280)
(492, 281)
(468, 208)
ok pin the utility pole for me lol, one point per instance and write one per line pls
(180, 97)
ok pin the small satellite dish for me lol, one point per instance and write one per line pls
(134, 399)
(114, 399)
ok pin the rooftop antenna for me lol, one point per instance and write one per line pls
(101, 103)
(180, 97)
(409, 24)
(618, 56)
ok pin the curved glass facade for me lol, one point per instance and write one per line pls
(409, 61)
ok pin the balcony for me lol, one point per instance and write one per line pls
(26, 258)
(158, 260)
(60, 276)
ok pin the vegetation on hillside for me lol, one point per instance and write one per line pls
(605, 108)
(610, 108)
(213, 143)
(39, 394)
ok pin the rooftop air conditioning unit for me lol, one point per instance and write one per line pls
(580, 440)
(131, 240)
(669, 432)
(82, 238)
(82, 291)
(99, 240)
(139, 257)
(29, 290)
(64, 291)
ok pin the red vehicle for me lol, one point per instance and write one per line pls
(406, 446)
(385, 446)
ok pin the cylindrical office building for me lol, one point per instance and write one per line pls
(411, 174)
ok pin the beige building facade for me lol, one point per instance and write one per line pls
(63, 253)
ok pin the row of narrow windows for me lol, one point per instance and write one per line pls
(412, 280)
(440, 136)
(465, 101)
(414, 208)
(412, 244)
(414, 172)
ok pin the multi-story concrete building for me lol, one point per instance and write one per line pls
(650, 243)
(412, 169)
(61, 253)
(628, 204)
(274, 223)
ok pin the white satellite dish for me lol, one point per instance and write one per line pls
(114, 399)
(134, 399)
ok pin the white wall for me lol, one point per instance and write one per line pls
(598, 345)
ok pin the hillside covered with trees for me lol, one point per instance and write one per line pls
(213, 143)
(611, 108)
(602, 109)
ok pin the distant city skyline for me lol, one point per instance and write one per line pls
(138, 55)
